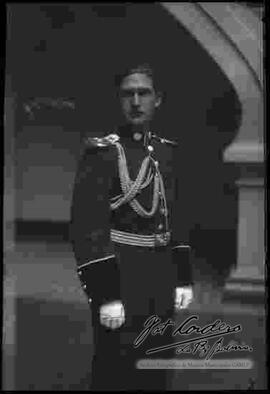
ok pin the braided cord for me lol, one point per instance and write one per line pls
(132, 188)
(129, 188)
(164, 201)
(138, 207)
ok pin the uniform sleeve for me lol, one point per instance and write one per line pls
(182, 258)
(90, 227)
(181, 248)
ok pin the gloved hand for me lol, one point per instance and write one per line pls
(183, 297)
(112, 314)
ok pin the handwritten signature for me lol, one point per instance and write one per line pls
(154, 326)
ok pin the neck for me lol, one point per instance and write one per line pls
(130, 129)
(144, 128)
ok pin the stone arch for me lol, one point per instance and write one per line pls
(222, 30)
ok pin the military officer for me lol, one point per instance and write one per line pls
(124, 231)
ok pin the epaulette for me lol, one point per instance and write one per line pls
(101, 142)
(164, 140)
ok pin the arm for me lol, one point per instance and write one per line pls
(90, 228)
(181, 250)
(184, 287)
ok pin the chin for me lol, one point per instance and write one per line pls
(136, 122)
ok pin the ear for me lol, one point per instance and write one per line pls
(158, 99)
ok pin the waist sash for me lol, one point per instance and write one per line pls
(154, 240)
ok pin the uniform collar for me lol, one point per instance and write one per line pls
(127, 134)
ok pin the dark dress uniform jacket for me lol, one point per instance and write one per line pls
(143, 278)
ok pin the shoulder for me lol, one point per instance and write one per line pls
(164, 141)
(99, 143)
(164, 146)
(97, 149)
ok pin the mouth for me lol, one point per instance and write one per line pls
(136, 114)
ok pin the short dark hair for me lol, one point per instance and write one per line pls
(143, 68)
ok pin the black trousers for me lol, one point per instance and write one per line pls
(147, 290)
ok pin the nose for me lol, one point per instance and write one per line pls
(136, 99)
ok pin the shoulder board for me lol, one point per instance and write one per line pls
(164, 140)
(101, 142)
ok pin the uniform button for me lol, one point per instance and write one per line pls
(160, 226)
(84, 286)
(164, 212)
(137, 136)
(150, 148)
(79, 272)
(89, 300)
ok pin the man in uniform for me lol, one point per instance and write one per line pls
(124, 233)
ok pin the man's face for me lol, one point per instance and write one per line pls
(138, 98)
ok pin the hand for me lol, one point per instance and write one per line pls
(183, 297)
(112, 314)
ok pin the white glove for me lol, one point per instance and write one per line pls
(183, 297)
(112, 314)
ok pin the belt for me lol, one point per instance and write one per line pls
(154, 240)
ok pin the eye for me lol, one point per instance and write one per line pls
(129, 93)
(126, 93)
(144, 92)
